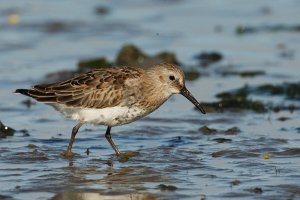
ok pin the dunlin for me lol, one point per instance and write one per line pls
(112, 96)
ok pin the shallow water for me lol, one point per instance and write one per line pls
(168, 157)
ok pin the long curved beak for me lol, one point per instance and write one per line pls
(192, 99)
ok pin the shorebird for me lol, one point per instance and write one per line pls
(112, 96)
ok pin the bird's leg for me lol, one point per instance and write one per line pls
(111, 142)
(75, 129)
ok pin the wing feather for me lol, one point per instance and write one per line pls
(96, 89)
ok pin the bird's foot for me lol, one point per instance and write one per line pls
(68, 154)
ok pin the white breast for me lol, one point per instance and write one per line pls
(112, 116)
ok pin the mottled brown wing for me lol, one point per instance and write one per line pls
(96, 89)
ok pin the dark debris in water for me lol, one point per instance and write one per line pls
(256, 190)
(222, 140)
(6, 131)
(164, 187)
(242, 29)
(246, 73)
(102, 10)
(235, 182)
(209, 58)
(206, 59)
(283, 118)
(57, 26)
(32, 146)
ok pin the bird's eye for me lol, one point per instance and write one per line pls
(172, 78)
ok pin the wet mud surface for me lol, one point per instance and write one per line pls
(246, 73)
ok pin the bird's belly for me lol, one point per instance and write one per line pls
(112, 116)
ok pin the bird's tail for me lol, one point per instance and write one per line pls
(39, 94)
(23, 91)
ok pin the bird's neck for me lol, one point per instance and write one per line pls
(155, 94)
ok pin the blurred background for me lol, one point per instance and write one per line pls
(241, 61)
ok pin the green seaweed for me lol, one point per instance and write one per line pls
(238, 99)
(86, 65)
(191, 75)
(290, 90)
(167, 57)
(240, 30)
(222, 140)
(240, 93)
(206, 59)
(210, 131)
(164, 187)
(130, 55)
(235, 182)
(270, 89)
(247, 73)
